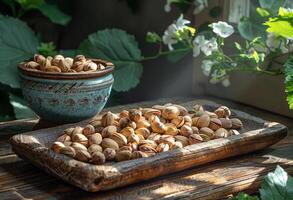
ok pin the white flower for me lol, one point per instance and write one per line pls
(206, 67)
(200, 5)
(170, 35)
(197, 43)
(209, 46)
(222, 29)
(226, 82)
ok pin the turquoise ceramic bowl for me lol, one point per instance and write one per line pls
(67, 97)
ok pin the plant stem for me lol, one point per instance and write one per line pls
(165, 53)
(257, 70)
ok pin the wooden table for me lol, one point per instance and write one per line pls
(21, 180)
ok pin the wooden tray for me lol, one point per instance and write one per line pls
(34, 146)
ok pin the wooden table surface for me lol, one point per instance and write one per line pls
(21, 180)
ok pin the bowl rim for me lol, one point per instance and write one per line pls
(68, 76)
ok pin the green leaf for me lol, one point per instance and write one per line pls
(54, 14)
(281, 25)
(238, 46)
(17, 43)
(120, 48)
(51, 11)
(262, 12)
(68, 52)
(277, 185)
(176, 56)
(271, 5)
(244, 196)
(249, 30)
(47, 49)
(21, 110)
(289, 81)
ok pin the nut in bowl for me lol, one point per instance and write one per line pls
(66, 89)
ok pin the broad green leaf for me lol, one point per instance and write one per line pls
(262, 12)
(17, 43)
(249, 30)
(21, 110)
(271, 5)
(120, 48)
(54, 14)
(285, 13)
(49, 10)
(277, 185)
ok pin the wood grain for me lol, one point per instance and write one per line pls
(33, 146)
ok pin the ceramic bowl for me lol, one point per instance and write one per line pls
(67, 97)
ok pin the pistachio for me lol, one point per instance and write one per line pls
(76, 130)
(162, 147)
(77, 146)
(198, 107)
(95, 139)
(133, 138)
(69, 151)
(109, 153)
(147, 148)
(171, 129)
(223, 112)
(124, 113)
(90, 66)
(143, 124)
(127, 131)
(88, 130)
(195, 138)
(184, 140)
(52, 69)
(80, 138)
(148, 142)
(233, 132)
(78, 66)
(79, 58)
(39, 58)
(186, 130)
(203, 121)
(200, 113)
(63, 138)
(82, 155)
(221, 133)
(94, 148)
(135, 115)
(64, 65)
(67, 143)
(109, 143)
(167, 139)
(226, 123)
(205, 137)
(176, 145)
(98, 158)
(138, 154)
(215, 124)
(127, 147)
(154, 136)
(45, 64)
(56, 146)
(187, 120)
(143, 131)
(207, 131)
(170, 112)
(182, 110)
(133, 145)
(178, 121)
(123, 155)
(211, 114)
(108, 119)
(148, 112)
(32, 65)
(100, 66)
(124, 122)
(118, 138)
(159, 107)
(69, 61)
(158, 127)
(109, 130)
(68, 131)
(236, 123)
(195, 130)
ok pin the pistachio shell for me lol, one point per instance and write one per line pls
(82, 155)
(95, 139)
(203, 121)
(184, 140)
(133, 138)
(69, 151)
(68, 131)
(77, 130)
(98, 158)
(147, 148)
(124, 113)
(178, 121)
(123, 155)
(77, 146)
(195, 138)
(170, 112)
(176, 145)
(109, 153)
(108, 119)
(233, 132)
(124, 122)
(127, 131)
(135, 115)
(109, 130)
(158, 127)
(222, 112)
(162, 147)
(118, 138)
(143, 124)
(207, 131)
(63, 138)
(236, 123)
(52, 69)
(154, 136)
(221, 133)
(56, 146)
(127, 147)
(88, 130)
(171, 129)
(226, 123)
(94, 148)
(138, 154)
(167, 139)
(186, 130)
(143, 131)
(109, 143)
(80, 138)
(215, 124)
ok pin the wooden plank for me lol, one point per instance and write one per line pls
(32, 146)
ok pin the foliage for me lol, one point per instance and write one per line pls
(122, 49)
(47, 49)
(49, 10)
(289, 81)
(276, 185)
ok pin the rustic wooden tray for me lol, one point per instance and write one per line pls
(34, 146)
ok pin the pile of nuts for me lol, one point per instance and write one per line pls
(61, 64)
(144, 132)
